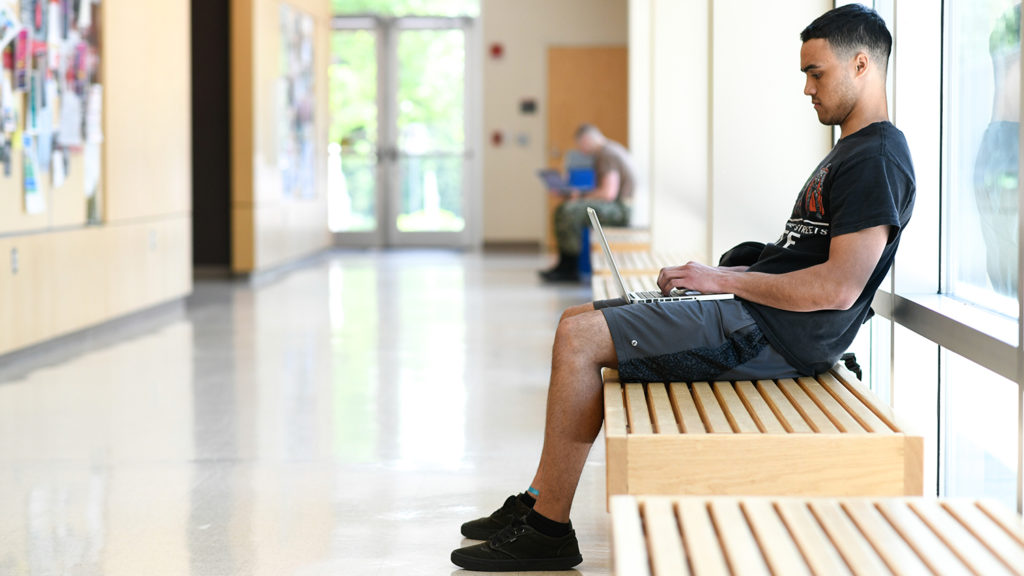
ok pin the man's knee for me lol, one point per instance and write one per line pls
(585, 336)
(576, 311)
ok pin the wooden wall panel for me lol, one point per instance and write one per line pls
(586, 84)
(147, 92)
(268, 228)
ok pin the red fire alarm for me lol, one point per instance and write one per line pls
(497, 50)
(497, 138)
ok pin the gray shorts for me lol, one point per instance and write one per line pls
(690, 341)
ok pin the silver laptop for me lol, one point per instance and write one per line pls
(645, 295)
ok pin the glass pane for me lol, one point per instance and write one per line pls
(915, 394)
(408, 7)
(982, 125)
(431, 130)
(980, 433)
(431, 194)
(352, 154)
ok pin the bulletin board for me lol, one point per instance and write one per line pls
(296, 101)
(51, 109)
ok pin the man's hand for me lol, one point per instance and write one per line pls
(694, 276)
(835, 284)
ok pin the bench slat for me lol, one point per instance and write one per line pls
(964, 544)
(918, 536)
(868, 419)
(615, 422)
(797, 537)
(880, 409)
(735, 410)
(663, 415)
(807, 408)
(707, 403)
(782, 407)
(686, 410)
(832, 409)
(759, 409)
(630, 553)
(857, 551)
(738, 542)
(1008, 521)
(897, 555)
(636, 409)
(991, 534)
(782, 554)
(701, 541)
(663, 538)
(821, 555)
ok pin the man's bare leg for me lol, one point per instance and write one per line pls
(583, 344)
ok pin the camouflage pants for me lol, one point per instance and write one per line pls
(571, 217)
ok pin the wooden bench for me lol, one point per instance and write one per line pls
(622, 240)
(795, 536)
(823, 436)
(638, 262)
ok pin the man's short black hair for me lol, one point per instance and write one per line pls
(585, 129)
(850, 29)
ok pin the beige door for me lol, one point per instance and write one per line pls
(585, 84)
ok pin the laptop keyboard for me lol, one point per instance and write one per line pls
(647, 294)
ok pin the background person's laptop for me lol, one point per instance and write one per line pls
(554, 181)
(644, 295)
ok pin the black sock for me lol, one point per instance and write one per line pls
(547, 526)
(528, 499)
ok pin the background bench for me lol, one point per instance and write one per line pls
(622, 240)
(791, 536)
(827, 436)
(642, 262)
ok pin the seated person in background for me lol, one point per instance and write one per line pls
(614, 177)
(797, 308)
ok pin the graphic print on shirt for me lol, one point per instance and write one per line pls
(808, 217)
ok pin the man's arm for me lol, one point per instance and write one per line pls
(833, 285)
(607, 189)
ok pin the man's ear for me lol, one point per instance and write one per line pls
(860, 63)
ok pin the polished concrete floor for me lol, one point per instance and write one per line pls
(343, 418)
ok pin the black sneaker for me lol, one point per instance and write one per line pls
(519, 548)
(484, 528)
(559, 275)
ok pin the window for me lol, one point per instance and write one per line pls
(408, 7)
(982, 114)
(980, 433)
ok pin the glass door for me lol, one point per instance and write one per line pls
(353, 173)
(398, 153)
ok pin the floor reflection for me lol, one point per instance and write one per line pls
(343, 418)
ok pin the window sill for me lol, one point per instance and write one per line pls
(981, 336)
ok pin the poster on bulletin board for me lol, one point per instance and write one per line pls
(50, 102)
(296, 100)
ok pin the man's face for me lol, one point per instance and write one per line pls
(829, 81)
(587, 144)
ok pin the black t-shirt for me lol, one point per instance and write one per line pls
(866, 180)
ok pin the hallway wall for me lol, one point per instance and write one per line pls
(58, 275)
(269, 228)
(514, 200)
(719, 119)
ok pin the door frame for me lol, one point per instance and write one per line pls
(388, 191)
